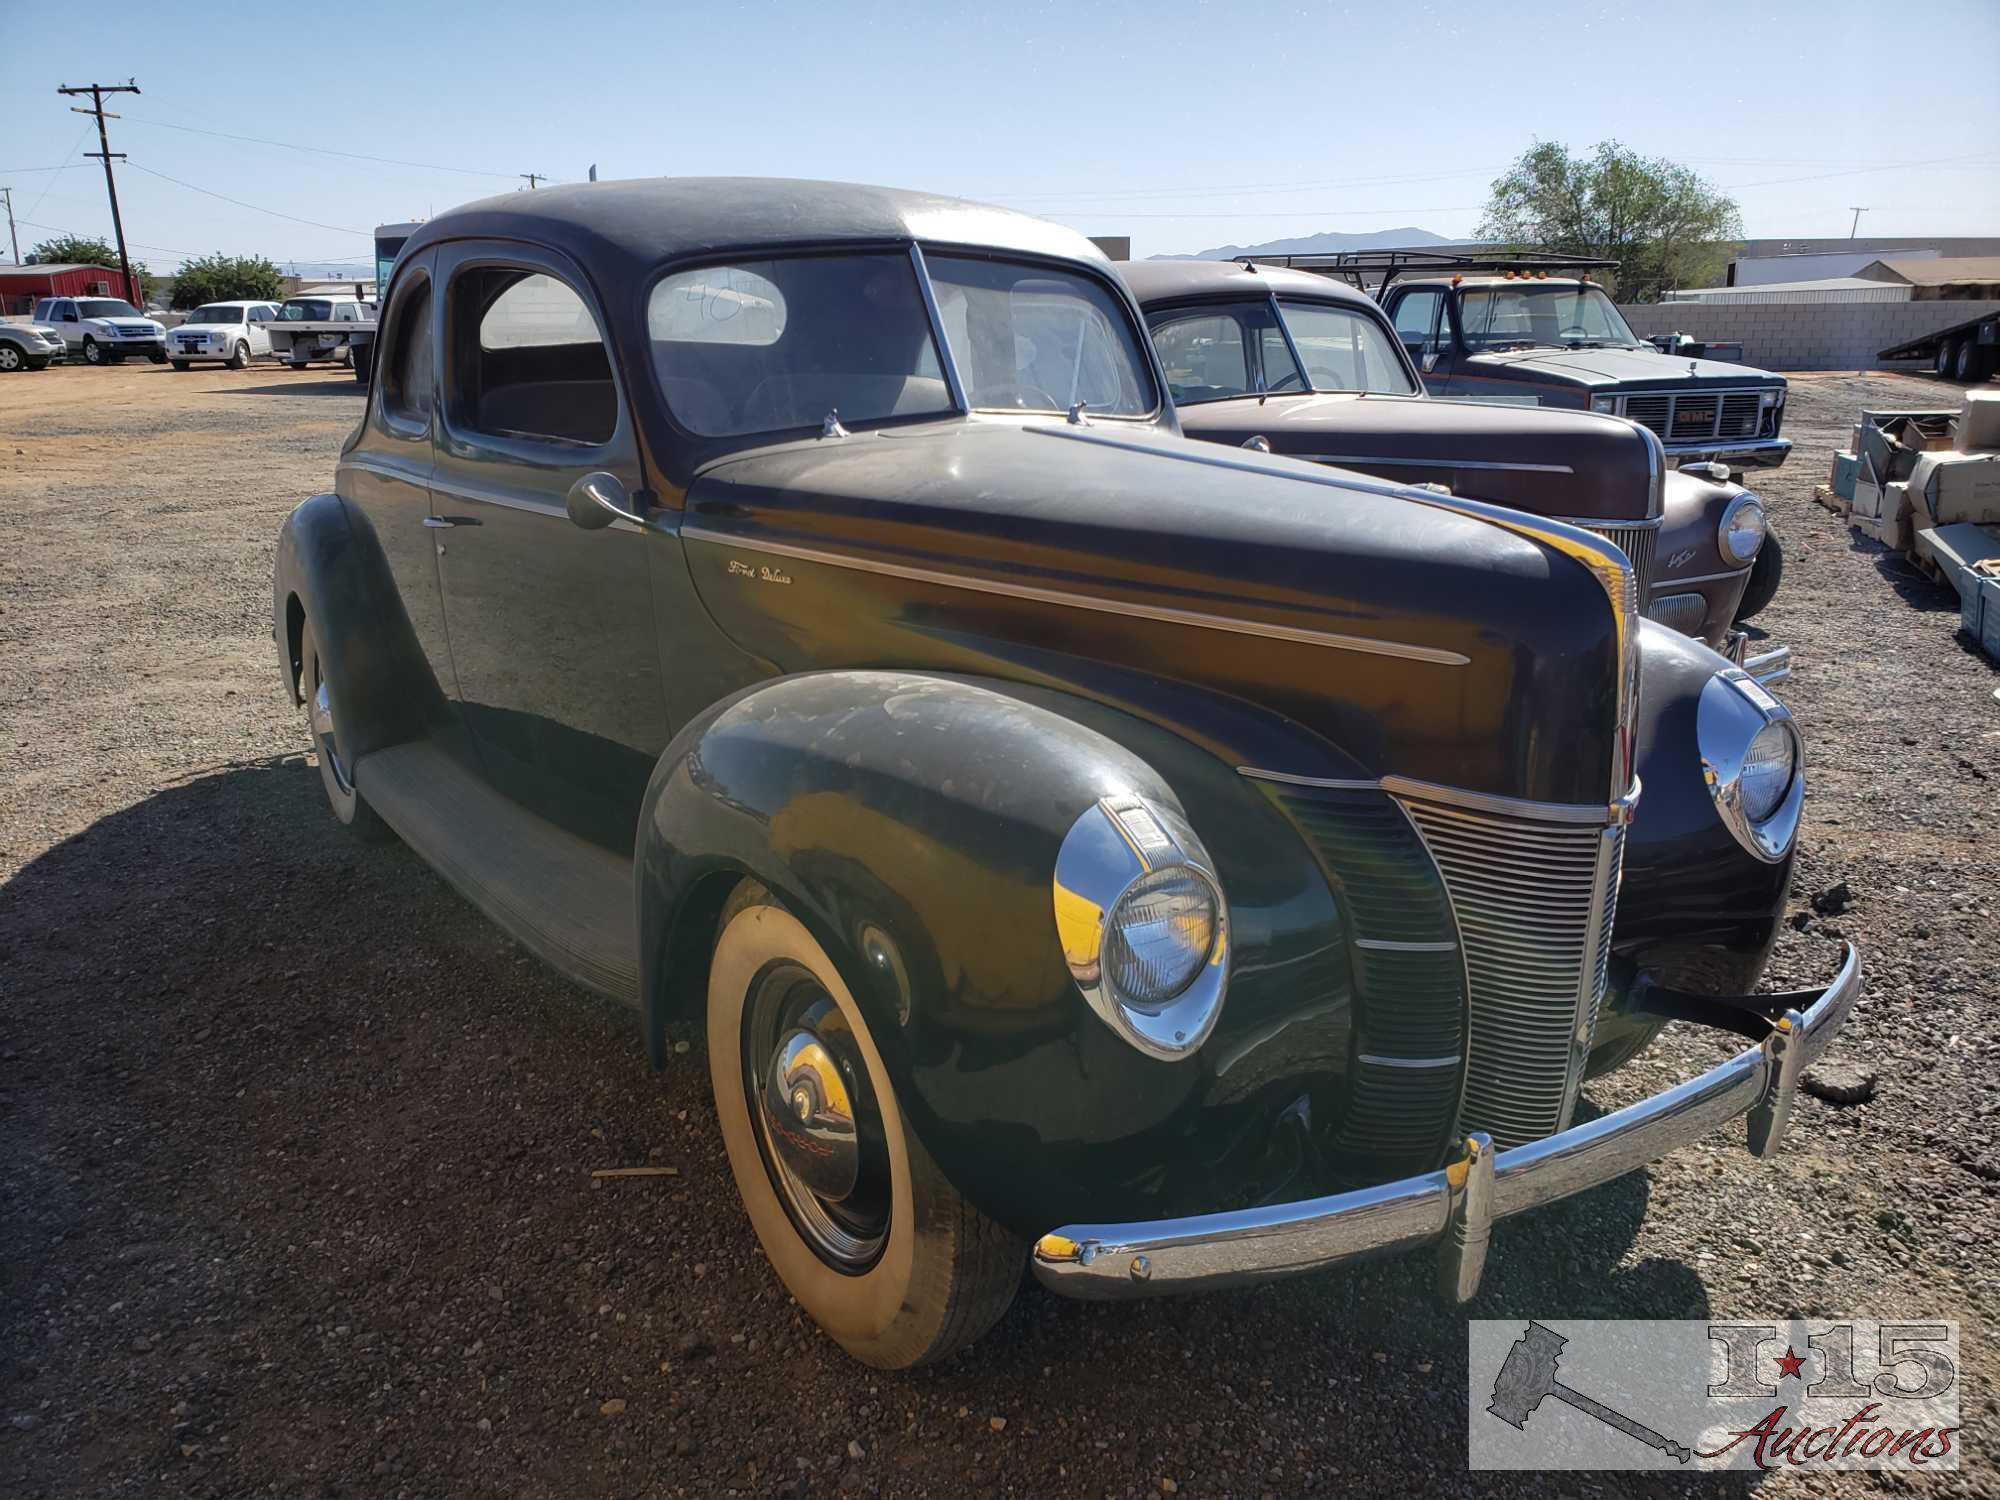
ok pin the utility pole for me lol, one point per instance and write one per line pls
(533, 178)
(1856, 225)
(104, 153)
(12, 238)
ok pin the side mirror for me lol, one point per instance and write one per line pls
(598, 499)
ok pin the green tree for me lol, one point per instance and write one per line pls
(1665, 225)
(226, 278)
(66, 249)
(77, 249)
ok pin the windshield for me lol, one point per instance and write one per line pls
(216, 312)
(1559, 314)
(1346, 350)
(1220, 353)
(768, 345)
(1031, 338)
(308, 310)
(106, 307)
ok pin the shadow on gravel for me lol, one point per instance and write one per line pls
(304, 385)
(295, 1156)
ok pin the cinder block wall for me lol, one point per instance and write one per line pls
(1806, 335)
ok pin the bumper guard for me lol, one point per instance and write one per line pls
(1453, 1208)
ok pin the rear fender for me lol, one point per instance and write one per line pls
(330, 571)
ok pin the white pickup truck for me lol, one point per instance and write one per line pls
(339, 327)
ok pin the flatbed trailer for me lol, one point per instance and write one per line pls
(1965, 351)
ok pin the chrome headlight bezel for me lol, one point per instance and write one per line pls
(1117, 841)
(1604, 405)
(1732, 711)
(1738, 509)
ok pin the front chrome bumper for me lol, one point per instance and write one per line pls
(1748, 453)
(1453, 1208)
(1767, 666)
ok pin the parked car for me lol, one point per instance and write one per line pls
(103, 330)
(1079, 845)
(1306, 366)
(321, 328)
(232, 333)
(30, 346)
(1533, 330)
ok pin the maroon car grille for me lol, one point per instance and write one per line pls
(1696, 416)
(1637, 542)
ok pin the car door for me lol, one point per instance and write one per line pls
(1422, 316)
(385, 478)
(551, 625)
(63, 314)
(259, 335)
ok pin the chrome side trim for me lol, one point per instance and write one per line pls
(1453, 1207)
(1390, 945)
(1434, 463)
(1101, 605)
(1429, 791)
(1708, 577)
(1600, 525)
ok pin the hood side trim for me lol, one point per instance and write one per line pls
(1100, 604)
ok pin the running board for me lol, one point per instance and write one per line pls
(565, 899)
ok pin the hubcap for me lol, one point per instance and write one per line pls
(320, 710)
(817, 1118)
(10, 357)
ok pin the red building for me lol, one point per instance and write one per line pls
(22, 286)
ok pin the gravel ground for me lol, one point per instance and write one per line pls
(295, 1191)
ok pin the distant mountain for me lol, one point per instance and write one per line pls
(1329, 243)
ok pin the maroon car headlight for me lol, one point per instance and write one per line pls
(1742, 529)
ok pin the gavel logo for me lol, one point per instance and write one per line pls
(1529, 1374)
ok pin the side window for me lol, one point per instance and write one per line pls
(1204, 357)
(1417, 322)
(527, 359)
(409, 374)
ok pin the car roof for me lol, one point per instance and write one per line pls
(625, 228)
(1157, 281)
(240, 302)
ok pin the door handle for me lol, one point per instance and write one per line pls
(439, 523)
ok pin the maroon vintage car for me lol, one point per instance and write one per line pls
(1302, 365)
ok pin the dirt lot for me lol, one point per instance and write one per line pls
(295, 1147)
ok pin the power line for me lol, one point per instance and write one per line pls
(253, 207)
(387, 161)
(81, 234)
(69, 160)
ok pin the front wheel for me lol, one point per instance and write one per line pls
(1766, 573)
(336, 768)
(11, 359)
(93, 352)
(857, 1220)
(239, 357)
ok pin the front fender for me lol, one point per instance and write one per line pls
(911, 822)
(1688, 559)
(1696, 910)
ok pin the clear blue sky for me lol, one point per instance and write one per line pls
(1181, 123)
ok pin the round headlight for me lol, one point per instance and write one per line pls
(1160, 934)
(1143, 924)
(1742, 530)
(1767, 771)
(1750, 763)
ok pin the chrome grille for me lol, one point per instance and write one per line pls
(1682, 612)
(1697, 415)
(1534, 901)
(1637, 543)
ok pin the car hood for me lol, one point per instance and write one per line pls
(1405, 633)
(1623, 367)
(1549, 461)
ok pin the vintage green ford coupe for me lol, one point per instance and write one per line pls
(790, 609)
